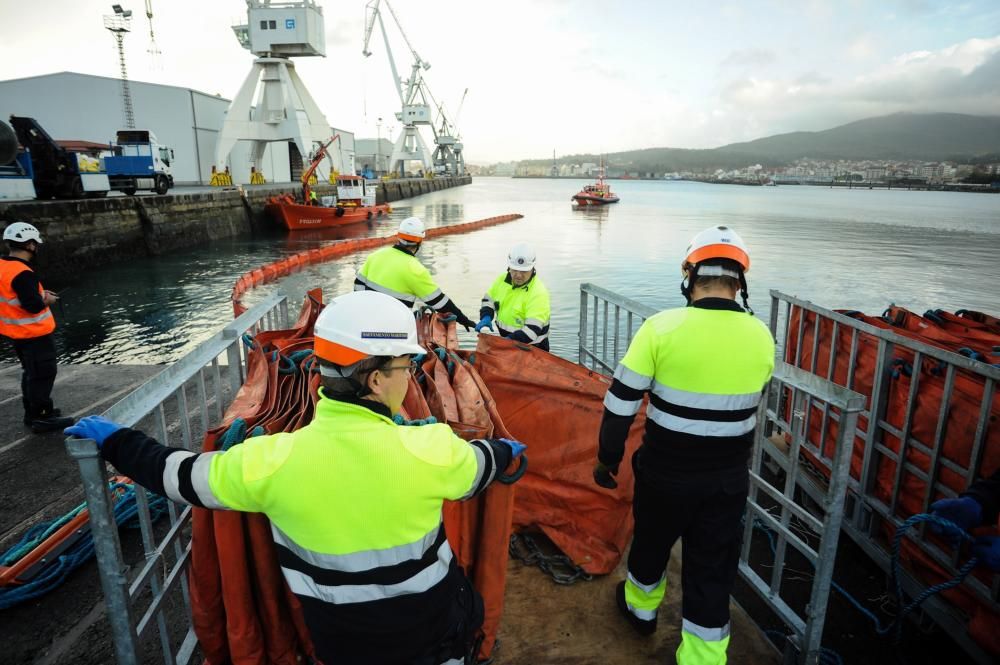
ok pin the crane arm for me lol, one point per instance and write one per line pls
(317, 158)
(416, 57)
(371, 12)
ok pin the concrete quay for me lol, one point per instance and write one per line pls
(84, 233)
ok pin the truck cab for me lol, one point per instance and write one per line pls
(138, 161)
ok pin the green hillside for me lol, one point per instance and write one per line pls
(901, 136)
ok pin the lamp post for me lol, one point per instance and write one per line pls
(378, 145)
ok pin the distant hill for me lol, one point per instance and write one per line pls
(901, 136)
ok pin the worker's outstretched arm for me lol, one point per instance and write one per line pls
(426, 289)
(207, 480)
(632, 379)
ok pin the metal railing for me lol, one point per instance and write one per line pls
(776, 470)
(608, 321)
(162, 406)
(875, 507)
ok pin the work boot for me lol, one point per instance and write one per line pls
(644, 627)
(48, 414)
(50, 421)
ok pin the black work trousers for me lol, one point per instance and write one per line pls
(38, 374)
(704, 510)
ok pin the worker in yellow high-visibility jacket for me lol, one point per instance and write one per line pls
(704, 368)
(397, 272)
(355, 500)
(517, 301)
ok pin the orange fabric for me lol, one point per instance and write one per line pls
(10, 313)
(555, 407)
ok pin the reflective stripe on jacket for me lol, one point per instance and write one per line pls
(15, 321)
(398, 273)
(521, 312)
(704, 368)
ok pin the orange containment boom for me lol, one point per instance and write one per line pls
(273, 271)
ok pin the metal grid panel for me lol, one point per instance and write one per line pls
(782, 433)
(890, 446)
(604, 333)
(164, 572)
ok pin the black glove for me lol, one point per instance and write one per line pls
(463, 320)
(604, 475)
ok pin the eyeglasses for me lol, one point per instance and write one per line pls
(411, 367)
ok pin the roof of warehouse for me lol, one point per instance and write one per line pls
(116, 80)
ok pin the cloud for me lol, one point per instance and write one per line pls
(961, 78)
(754, 57)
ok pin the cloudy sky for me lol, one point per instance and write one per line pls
(570, 75)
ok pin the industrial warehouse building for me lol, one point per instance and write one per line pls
(82, 107)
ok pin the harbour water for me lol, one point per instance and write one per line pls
(857, 249)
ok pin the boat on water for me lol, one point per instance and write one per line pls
(353, 203)
(597, 194)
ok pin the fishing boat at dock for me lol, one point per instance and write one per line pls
(354, 201)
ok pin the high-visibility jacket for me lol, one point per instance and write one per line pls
(704, 368)
(520, 312)
(15, 321)
(355, 504)
(396, 272)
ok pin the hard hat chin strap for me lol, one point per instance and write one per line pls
(687, 284)
(348, 373)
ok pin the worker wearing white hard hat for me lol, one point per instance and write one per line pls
(517, 302)
(27, 321)
(355, 500)
(397, 272)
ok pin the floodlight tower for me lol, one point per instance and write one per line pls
(275, 32)
(120, 24)
(415, 110)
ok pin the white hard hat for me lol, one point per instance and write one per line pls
(412, 229)
(22, 232)
(521, 257)
(717, 242)
(362, 324)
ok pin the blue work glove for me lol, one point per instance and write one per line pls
(516, 447)
(604, 475)
(93, 427)
(964, 511)
(987, 550)
(485, 322)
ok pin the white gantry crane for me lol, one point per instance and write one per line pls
(283, 110)
(448, 158)
(415, 110)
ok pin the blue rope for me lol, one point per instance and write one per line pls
(52, 575)
(897, 623)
